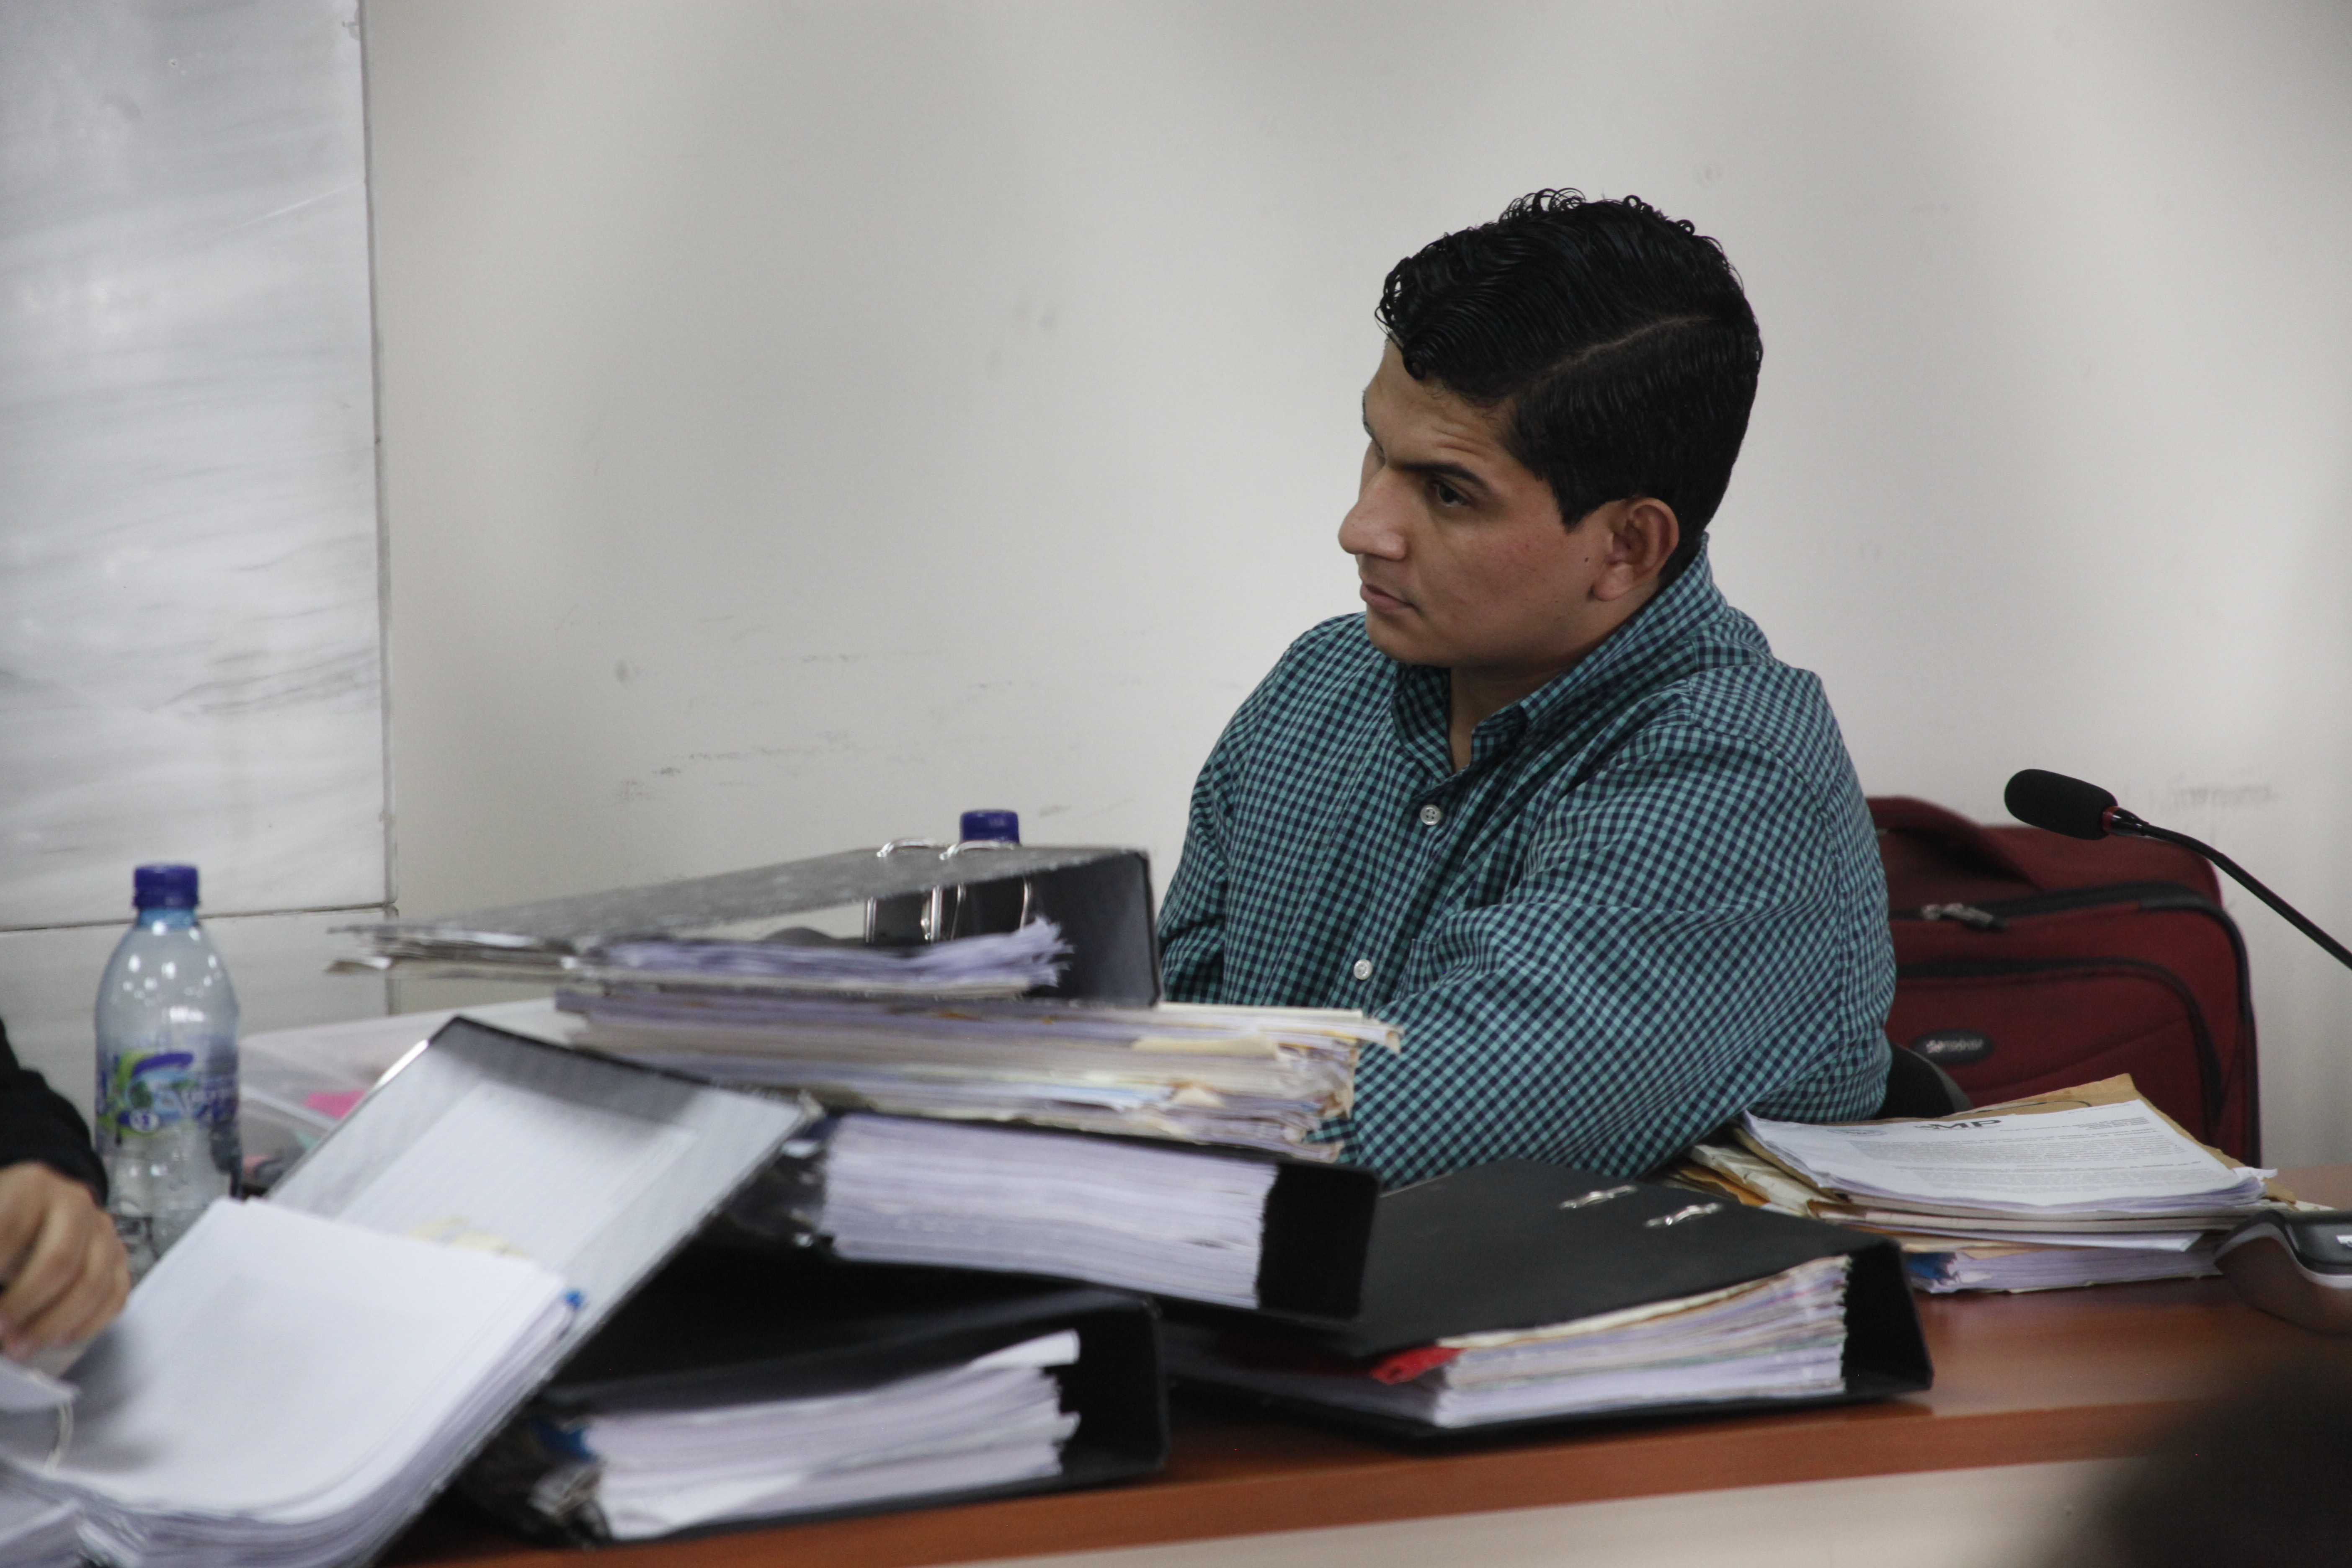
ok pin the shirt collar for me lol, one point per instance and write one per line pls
(1423, 693)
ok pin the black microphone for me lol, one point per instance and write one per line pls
(2042, 799)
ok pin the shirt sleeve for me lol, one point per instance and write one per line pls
(1693, 932)
(37, 1122)
(1193, 925)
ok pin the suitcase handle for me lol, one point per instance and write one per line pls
(1967, 840)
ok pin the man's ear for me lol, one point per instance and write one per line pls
(1642, 534)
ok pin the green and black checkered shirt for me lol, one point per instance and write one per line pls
(1652, 901)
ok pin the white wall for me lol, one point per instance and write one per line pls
(805, 420)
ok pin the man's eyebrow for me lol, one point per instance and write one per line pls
(1455, 473)
(1468, 479)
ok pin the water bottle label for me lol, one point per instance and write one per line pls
(146, 1094)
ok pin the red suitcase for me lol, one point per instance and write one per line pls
(2027, 962)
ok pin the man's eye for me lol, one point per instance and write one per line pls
(1446, 494)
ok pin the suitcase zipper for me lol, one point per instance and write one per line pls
(1996, 914)
(1962, 914)
(2209, 1059)
(2156, 898)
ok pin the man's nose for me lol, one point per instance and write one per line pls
(1374, 525)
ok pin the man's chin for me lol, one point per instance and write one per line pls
(1394, 640)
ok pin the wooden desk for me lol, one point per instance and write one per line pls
(2070, 1375)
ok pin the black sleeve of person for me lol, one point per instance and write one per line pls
(37, 1122)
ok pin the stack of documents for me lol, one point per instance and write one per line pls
(1256, 1077)
(1003, 965)
(283, 1388)
(748, 1384)
(1083, 918)
(1113, 1211)
(1998, 1266)
(2088, 1185)
(996, 1419)
(1513, 1293)
(1782, 1337)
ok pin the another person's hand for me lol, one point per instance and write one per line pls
(64, 1268)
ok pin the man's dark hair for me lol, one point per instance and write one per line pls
(1616, 338)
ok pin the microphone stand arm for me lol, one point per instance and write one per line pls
(2118, 820)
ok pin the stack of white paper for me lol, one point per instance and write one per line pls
(990, 1422)
(2085, 1186)
(997, 964)
(1264, 1078)
(1782, 1337)
(2059, 1168)
(1180, 1223)
(282, 1388)
(1004, 964)
(732, 930)
(1999, 1268)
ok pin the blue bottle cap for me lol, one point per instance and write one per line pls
(163, 888)
(1004, 826)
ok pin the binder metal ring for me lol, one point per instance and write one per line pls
(938, 925)
(874, 906)
(954, 926)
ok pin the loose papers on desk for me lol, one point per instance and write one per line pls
(1254, 1078)
(2085, 1186)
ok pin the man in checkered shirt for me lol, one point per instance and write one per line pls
(1549, 803)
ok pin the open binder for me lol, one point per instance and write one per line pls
(595, 1168)
(1519, 1245)
(1100, 898)
(724, 1327)
(408, 1284)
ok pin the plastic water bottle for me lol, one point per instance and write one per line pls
(1001, 827)
(166, 1096)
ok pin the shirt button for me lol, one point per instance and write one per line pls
(1363, 970)
(1431, 817)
